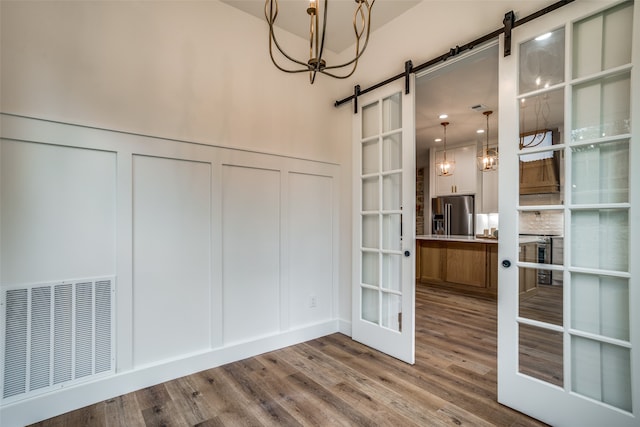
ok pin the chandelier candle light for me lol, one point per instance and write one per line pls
(487, 157)
(445, 167)
(316, 64)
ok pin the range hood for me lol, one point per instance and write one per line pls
(539, 171)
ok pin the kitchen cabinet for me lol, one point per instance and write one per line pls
(464, 179)
(490, 191)
(431, 259)
(471, 265)
(466, 264)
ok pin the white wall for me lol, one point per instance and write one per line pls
(208, 246)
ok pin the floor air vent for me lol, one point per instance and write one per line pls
(56, 335)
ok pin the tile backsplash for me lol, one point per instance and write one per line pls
(542, 222)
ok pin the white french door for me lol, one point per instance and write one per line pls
(384, 221)
(569, 297)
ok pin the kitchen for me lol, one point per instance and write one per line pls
(457, 220)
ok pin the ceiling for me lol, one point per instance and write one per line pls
(292, 17)
(453, 88)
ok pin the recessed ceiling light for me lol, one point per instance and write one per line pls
(543, 37)
(443, 116)
(480, 131)
(438, 140)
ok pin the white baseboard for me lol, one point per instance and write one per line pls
(68, 399)
(344, 327)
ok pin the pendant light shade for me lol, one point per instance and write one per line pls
(446, 166)
(487, 157)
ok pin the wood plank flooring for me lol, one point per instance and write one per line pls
(334, 381)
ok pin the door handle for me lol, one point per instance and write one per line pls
(506, 263)
(407, 253)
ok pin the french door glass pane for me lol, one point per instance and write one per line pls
(370, 231)
(600, 305)
(370, 120)
(601, 108)
(392, 192)
(535, 228)
(392, 152)
(370, 304)
(542, 61)
(602, 41)
(540, 353)
(601, 371)
(391, 271)
(370, 157)
(370, 270)
(540, 299)
(600, 239)
(391, 306)
(391, 113)
(600, 173)
(539, 115)
(391, 238)
(370, 194)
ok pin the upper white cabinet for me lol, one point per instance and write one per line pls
(464, 179)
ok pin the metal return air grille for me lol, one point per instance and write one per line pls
(56, 334)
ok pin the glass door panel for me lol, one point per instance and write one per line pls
(392, 113)
(370, 121)
(601, 372)
(391, 271)
(370, 194)
(600, 239)
(370, 157)
(392, 149)
(540, 354)
(601, 107)
(600, 173)
(602, 41)
(600, 305)
(370, 269)
(542, 61)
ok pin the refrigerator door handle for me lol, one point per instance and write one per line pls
(447, 219)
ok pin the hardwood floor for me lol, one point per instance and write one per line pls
(334, 381)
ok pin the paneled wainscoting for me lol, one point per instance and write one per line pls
(334, 381)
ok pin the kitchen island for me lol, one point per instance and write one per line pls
(466, 263)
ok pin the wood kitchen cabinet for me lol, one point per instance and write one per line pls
(464, 265)
(464, 179)
(431, 260)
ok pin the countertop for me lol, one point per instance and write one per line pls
(470, 239)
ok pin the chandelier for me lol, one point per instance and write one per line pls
(316, 64)
(487, 157)
(445, 167)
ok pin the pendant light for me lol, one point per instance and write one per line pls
(317, 29)
(487, 157)
(446, 166)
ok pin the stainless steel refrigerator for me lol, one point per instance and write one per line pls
(453, 215)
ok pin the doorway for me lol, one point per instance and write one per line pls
(457, 120)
